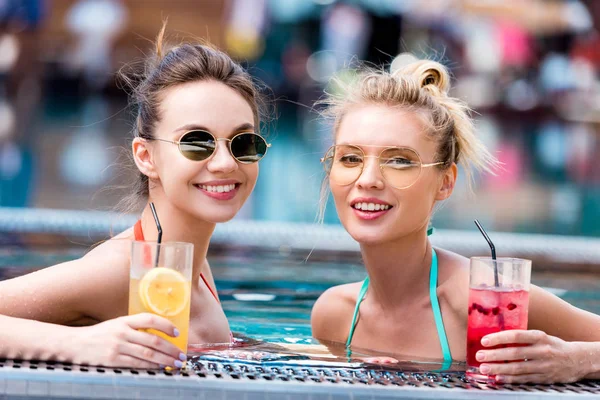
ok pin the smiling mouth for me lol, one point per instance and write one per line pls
(219, 188)
(371, 207)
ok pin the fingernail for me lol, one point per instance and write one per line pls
(178, 364)
(182, 357)
(484, 369)
(175, 332)
(480, 356)
(499, 378)
(485, 341)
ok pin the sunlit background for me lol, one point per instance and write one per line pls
(528, 68)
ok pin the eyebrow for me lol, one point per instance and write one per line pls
(246, 127)
(373, 145)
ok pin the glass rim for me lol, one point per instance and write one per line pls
(501, 259)
(154, 243)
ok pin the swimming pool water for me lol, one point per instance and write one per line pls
(269, 295)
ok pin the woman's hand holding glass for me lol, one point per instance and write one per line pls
(541, 358)
(120, 343)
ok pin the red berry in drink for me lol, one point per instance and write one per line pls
(492, 316)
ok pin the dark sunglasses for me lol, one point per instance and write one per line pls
(245, 147)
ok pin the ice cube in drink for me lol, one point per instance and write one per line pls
(492, 310)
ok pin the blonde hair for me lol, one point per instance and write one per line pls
(421, 86)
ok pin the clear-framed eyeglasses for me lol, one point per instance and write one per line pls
(400, 166)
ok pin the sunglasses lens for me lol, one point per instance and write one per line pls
(345, 164)
(197, 145)
(248, 148)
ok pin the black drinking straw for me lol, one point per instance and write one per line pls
(158, 240)
(493, 248)
(496, 282)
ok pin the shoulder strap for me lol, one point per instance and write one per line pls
(209, 288)
(437, 314)
(359, 299)
(138, 234)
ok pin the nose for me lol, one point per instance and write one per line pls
(370, 177)
(222, 161)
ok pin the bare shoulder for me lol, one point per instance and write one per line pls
(108, 260)
(452, 267)
(104, 273)
(90, 288)
(332, 313)
(117, 247)
(556, 317)
(453, 280)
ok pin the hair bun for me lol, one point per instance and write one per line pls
(431, 75)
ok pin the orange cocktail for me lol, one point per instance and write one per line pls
(160, 283)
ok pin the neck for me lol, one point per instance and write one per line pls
(398, 270)
(179, 226)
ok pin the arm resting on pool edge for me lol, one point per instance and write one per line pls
(541, 358)
(591, 356)
(562, 345)
(32, 340)
(84, 291)
(559, 318)
(114, 343)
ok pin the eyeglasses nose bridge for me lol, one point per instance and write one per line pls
(377, 161)
(377, 165)
(229, 153)
(225, 140)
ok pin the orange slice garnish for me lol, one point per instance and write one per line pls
(164, 291)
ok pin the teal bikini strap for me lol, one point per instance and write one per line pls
(437, 314)
(435, 305)
(361, 296)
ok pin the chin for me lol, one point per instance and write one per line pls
(217, 219)
(210, 213)
(216, 216)
(368, 235)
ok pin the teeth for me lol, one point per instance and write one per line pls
(371, 206)
(218, 189)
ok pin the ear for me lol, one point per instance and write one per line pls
(143, 158)
(448, 182)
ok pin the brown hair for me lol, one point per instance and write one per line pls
(421, 86)
(174, 65)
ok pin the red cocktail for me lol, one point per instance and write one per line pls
(494, 308)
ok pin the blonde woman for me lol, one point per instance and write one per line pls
(398, 140)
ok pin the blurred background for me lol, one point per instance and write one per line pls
(529, 69)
